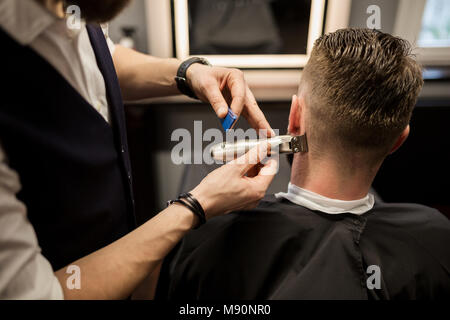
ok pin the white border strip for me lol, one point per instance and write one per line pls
(315, 23)
(159, 28)
(338, 15)
(181, 28)
(248, 61)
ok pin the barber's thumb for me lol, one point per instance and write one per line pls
(270, 168)
(266, 174)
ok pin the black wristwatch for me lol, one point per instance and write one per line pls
(181, 75)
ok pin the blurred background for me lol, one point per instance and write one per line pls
(270, 41)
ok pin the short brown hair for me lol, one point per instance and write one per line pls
(362, 86)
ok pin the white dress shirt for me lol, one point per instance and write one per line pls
(317, 202)
(24, 271)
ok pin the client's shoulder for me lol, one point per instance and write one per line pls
(270, 214)
(422, 228)
(408, 214)
(410, 220)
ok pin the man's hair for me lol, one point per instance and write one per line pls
(360, 87)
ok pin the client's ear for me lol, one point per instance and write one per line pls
(294, 117)
(401, 139)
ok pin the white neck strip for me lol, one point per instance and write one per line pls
(314, 201)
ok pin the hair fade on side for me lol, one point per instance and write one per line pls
(362, 86)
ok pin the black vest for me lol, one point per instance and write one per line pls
(73, 166)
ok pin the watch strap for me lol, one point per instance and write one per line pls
(181, 79)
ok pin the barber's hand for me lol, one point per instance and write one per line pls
(238, 185)
(223, 87)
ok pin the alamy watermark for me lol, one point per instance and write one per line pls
(73, 17)
(73, 281)
(374, 20)
(374, 280)
(190, 147)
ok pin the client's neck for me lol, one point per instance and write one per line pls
(330, 179)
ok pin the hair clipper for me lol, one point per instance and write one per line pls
(281, 144)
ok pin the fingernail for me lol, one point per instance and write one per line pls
(223, 111)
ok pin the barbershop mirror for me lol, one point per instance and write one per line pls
(248, 33)
(248, 26)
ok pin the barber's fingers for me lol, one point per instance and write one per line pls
(261, 182)
(215, 98)
(253, 172)
(252, 158)
(266, 174)
(236, 84)
(254, 115)
(225, 81)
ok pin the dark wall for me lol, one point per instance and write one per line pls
(419, 171)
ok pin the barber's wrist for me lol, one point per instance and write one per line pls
(204, 201)
(186, 215)
(190, 73)
(189, 201)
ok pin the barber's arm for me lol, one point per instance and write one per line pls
(142, 76)
(116, 270)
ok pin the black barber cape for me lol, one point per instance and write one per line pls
(284, 251)
(73, 165)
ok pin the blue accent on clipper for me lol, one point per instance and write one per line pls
(229, 121)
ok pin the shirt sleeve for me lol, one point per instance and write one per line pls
(24, 273)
